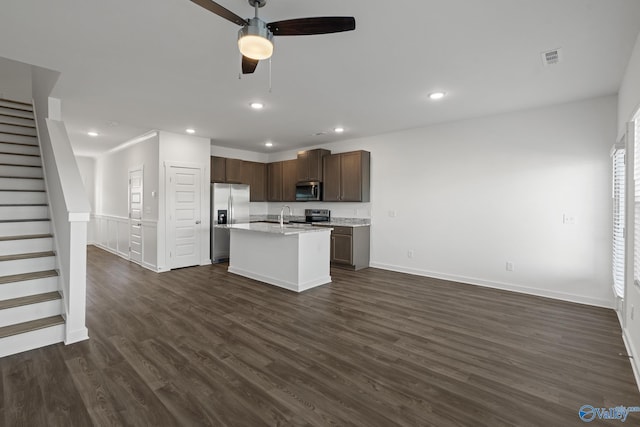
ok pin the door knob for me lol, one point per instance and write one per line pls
(197, 222)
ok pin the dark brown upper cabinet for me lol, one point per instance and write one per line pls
(346, 177)
(255, 174)
(289, 180)
(274, 185)
(309, 167)
(226, 170)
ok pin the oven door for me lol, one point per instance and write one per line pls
(306, 191)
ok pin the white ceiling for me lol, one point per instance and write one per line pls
(170, 64)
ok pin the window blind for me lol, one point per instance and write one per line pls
(618, 221)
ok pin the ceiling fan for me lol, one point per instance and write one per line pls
(255, 38)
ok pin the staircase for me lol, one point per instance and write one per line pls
(30, 304)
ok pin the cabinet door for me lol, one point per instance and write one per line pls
(351, 177)
(314, 164)
(341, 249)
(258, 182)
(274, 191)
(289, 179)
(218, 169)
(302, 166)
(331, 174)
(234, 171)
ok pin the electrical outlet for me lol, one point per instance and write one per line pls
(509, 266)
(392, 214)
(568, 219)
(410, 254)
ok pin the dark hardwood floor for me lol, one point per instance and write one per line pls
(199, 346)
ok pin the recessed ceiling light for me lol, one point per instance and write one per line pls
(257, 105)
(191, 130)
(268, 144)
(92, 133)
(436, 95)
(339, 130)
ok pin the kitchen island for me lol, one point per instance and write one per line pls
(294, 257)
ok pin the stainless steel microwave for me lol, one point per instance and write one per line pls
(310, 190)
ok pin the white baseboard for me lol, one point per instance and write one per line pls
(580, 299)
(635, 363)
(76, 336)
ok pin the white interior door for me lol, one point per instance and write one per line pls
(135, 215)
(184, 216)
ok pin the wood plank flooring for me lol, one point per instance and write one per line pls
(199, 346)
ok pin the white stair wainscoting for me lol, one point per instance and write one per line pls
(31, 305)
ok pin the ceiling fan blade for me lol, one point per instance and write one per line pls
(221, 11)
(310, 26)
(249, 65)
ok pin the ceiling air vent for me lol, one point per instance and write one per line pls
(551, 57)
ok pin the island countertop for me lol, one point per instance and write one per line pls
(264, 227)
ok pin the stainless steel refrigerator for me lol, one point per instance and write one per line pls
(229, 205)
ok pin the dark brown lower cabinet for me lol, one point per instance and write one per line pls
(350, 246)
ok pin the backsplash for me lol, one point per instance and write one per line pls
(338, 210)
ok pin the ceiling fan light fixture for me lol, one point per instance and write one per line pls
(255, 40)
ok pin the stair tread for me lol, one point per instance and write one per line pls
(18, 143)
(16, 133)
(30, 299)
(19, 177)
(26, 237)
(27, 276)
(26, 108)
(33, 325)
(17, 124)
(24, 220)
(22, 166)
(28, 104)
(28, 191)
(27, 256)
(23, 204)
(18, 154)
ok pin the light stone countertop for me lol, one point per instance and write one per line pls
(263, 227)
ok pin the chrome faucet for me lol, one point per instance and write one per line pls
(282, 215)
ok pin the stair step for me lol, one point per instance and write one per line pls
(28, 300)
(17, 129)
(18, 139)
(23, 197)
(27, 262)
(27, 276)
(27, 256)
(25, 309)
(33, 325)
(15, 112)
(36, 243)
(21, 227)
(17, 120)
(18, 105)
(23, 171)
(18, 183)
(19, 148)
(22, 285)
(20, 159)
(11, 212)
(33, 338)
(7, 122)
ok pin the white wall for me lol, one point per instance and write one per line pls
(629, 94)
(628, 106)
(15, 80)
(87, 167)
(112, 179)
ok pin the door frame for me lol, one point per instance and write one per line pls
(130, 170)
